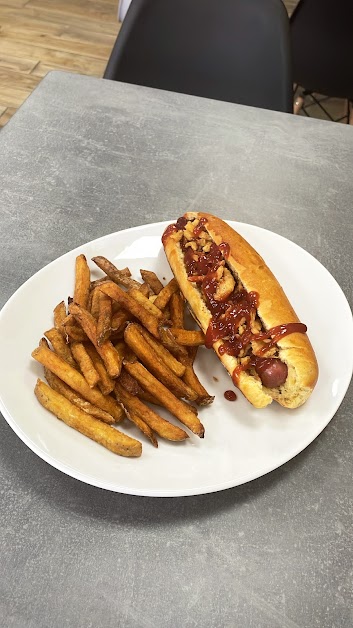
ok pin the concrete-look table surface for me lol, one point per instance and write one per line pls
(85, 157)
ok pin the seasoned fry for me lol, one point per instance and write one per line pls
(188, 337)
(74, 333)
(104, 321)
(177, 308)
(122, 348)
(146, 303)
(133, 307)
(106, 350)
(98, 282)
(190, 358)
(89, 302)
(151, 279)
(119, 320)
(85, 363)
(162, 427)
(133, 387)
(145, 352)
(75, 380)
(143, 288)
(59, 345)
(65, 390)
(82, 281)
(175, 366)
(118, 276)
(169, 342)
(59, 315)
(165, 294)
(168, 400)
(98, 431)
(190, 378)
(106, 383)
(95, 302)
(68, 320)
(70, 330)
(143, 427)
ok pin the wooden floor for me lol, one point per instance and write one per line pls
(37, 36)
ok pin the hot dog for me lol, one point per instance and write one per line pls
(243, 311)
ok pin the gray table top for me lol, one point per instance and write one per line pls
(85, 157)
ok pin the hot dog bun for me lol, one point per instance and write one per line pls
(290, 354)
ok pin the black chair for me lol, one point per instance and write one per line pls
(231, 50)
(322, 50)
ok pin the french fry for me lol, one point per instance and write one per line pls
(98, 282)
(85, 363)
(119, 320)
(59, 315)
(106, 383)
(74, 333)
(98, 431)
(190, 358)
(89, 302)
(71, 330)
(147, 355)
(159, 425)
(117, 276)
(104, 318)
(190, 378)
(57, 384)
(168, 400)
(132, 306)
(82, 281)
(151, 279)
(169, 342)
(133, 387)
(177, 309)
(188, 337)
(75, 380)
(142, 426)
(121, 317)
(59, 345)
(122, 348)
(146, 303)
(95, 303)
(175, 366)
(143, 288)
(165, 294)
(106, 350)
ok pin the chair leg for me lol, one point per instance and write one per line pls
(298, 104)
(350, 116)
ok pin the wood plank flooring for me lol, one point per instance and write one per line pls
(37, 36)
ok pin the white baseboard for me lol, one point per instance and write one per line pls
(122, 9)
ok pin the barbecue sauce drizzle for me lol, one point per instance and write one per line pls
(228, 314)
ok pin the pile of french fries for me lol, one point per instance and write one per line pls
(119, 349)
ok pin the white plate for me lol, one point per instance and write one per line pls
(241, 443)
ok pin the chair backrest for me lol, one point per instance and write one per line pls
(322, 46)
(231, 50)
